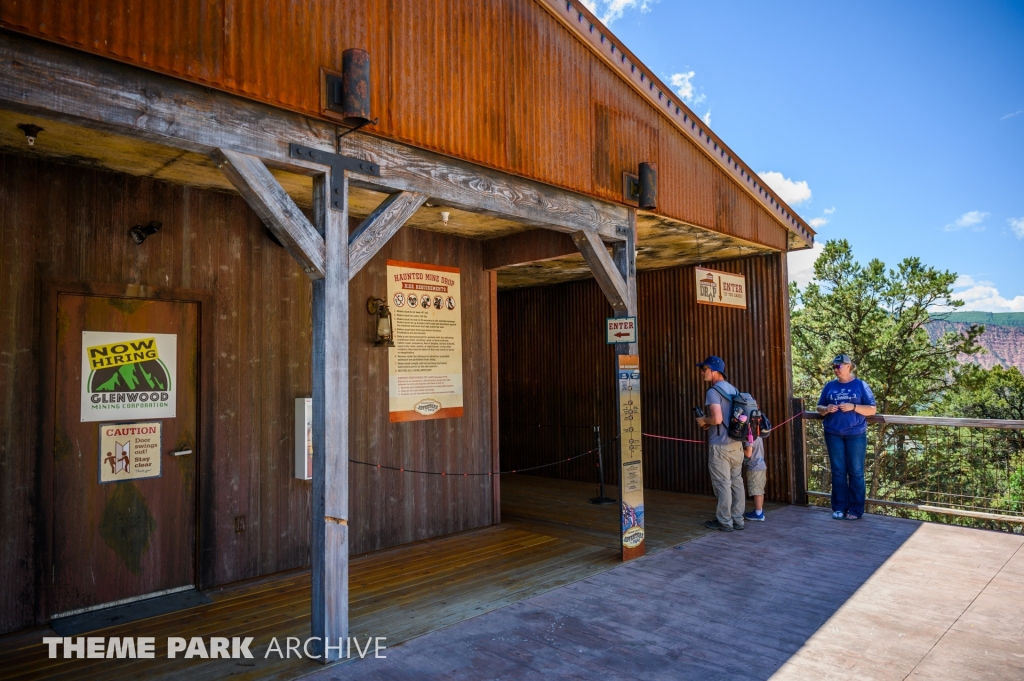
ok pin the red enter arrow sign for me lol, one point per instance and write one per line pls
(620, 335)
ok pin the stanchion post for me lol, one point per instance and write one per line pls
(600, 498)
(799, 451)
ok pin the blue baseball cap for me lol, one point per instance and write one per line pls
(715, 364)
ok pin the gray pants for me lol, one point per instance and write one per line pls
(726, 465)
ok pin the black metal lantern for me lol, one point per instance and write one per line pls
(385, 334)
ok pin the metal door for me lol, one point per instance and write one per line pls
(121, 540)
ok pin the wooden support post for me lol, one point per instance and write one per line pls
(268, 199)
(627, 359)
(798, 448)
(612, 284)
(330, 426)
(379, 226)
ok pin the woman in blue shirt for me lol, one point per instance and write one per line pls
(845, 402)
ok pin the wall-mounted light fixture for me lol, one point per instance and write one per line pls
(444, 217)
(140, 233)
(349, 94)
(385, 330)
(642, 189)
(31, 132)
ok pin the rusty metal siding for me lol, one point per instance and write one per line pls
(565, 376)
(549, 117)
(501, 83)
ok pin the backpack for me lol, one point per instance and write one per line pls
(744, 421)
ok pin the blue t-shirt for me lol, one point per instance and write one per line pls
(846, 422)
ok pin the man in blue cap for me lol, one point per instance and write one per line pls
(725, 455)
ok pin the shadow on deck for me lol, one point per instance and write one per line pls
(801, 596)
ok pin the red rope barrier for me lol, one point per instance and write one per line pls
(466, 475)
(700, 442)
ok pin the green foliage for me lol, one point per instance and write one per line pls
(877, 316)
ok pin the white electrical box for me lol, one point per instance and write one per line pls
(304, 438)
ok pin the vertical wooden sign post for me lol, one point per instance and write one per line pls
(631, 467)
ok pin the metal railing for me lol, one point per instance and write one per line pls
(971, 468)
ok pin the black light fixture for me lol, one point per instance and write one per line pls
(385, 330)
(642, 188)
(139, 233)
(31, 132)
(349, 94)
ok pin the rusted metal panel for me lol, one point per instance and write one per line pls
(553, 383)
(549, 111)
(504, 84)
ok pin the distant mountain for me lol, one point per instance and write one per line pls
(1003, 337)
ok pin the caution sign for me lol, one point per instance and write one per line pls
(721, 288)
(631, 457)
(128, 375)
(425, 366)
(129, 451)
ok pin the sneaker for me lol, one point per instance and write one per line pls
(715, 525)
(754, 515)
(736, 526)
(838, 515)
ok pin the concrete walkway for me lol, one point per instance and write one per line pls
(800, 596)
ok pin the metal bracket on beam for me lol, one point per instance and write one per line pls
(338, 164)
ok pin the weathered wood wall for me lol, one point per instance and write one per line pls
(556, 374)
(501, 83)
(69, 223)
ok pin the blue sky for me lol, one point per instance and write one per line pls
(897, 126)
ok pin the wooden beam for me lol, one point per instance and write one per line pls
(624, 255)
(379, 226)
(482, 190)
(62, 84)
(536, 245)
(998, 424)
(605, 272)
(329, 551)
(279, 213)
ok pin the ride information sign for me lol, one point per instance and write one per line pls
(631, 458)
(425, 366)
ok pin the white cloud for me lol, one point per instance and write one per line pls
(1017, 225)
(610, 10)
(683, 83)
(1011, 115)
(707, 118)
(972, 219)
(793, 193)
(983, 296)
(822, 221)
(801, 264)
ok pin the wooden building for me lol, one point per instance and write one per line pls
(500, 141)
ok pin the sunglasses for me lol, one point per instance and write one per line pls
(837, 367)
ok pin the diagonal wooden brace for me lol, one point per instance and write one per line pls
(268, 199)
(379, 226)
(604, 269)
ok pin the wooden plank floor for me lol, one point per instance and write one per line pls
(552, 537)
(800, 597)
